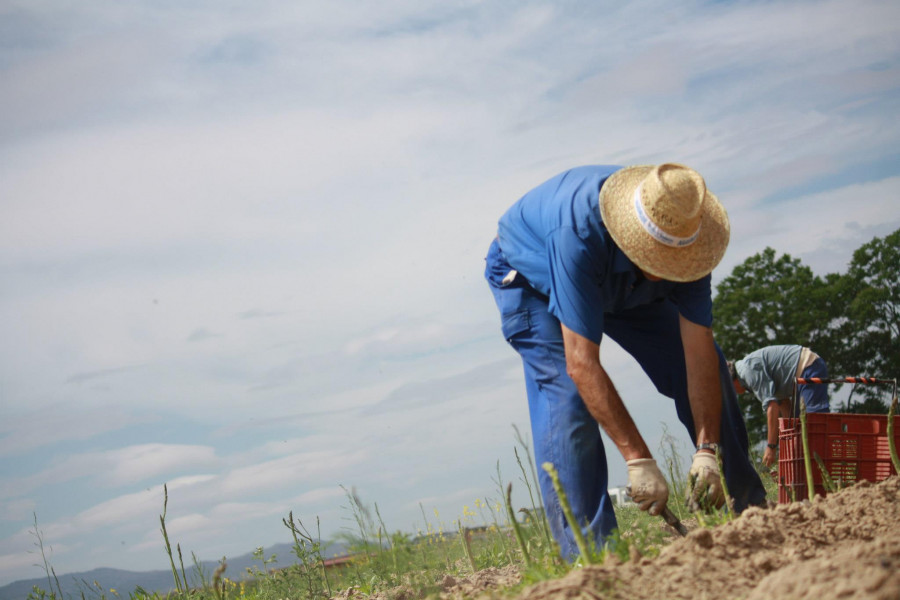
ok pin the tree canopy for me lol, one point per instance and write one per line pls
(851, 319)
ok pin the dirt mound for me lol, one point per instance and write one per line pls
(844, 546)
(472, 585)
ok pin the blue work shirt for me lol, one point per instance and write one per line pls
(769, 372)
(554, 237)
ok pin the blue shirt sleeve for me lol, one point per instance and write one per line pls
(694, 300)
(576, 275)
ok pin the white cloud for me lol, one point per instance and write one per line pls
(17, 510)
(318, 496)
(821, 228)
(122, 466)
(17, 565)
(169, 173)
(181, 526)
(138, 463)
(21, 431)
(285, 472)
(111, 514)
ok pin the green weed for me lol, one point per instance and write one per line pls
(397, 564)
(37, 593)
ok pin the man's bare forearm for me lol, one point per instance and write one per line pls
(600, 395)
(704, 386)
(773, 412)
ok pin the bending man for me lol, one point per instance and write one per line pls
(769, 373)
(623, 252)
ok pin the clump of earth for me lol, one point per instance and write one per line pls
(846, 546)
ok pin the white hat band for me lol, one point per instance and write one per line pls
(653, 229)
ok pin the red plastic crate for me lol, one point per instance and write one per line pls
(852, 448)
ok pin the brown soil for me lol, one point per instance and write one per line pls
(846, 545)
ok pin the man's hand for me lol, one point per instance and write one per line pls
(704, 483)
(647, 485)
(769, 457)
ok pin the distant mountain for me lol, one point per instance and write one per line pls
(125, 582)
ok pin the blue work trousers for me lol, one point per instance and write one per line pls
(815, 395)
(565, 433)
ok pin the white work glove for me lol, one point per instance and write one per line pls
(646, 485)
(704, 483)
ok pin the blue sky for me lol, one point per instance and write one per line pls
(242, 243)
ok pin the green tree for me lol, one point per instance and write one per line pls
(866, 319)
(851, 319)
(768, 300)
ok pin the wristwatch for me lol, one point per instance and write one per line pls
(773, 446)
(708, 446)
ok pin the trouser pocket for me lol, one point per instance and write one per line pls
(525, 320)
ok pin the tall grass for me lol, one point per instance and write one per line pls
(400, 565)
(48, 568)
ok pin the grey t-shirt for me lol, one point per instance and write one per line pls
(769, 372)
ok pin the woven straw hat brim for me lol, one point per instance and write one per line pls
(688, 263)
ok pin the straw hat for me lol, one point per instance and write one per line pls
(665, 220)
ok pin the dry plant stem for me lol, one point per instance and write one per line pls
(504, 540)
(424, 518)
(360, 515)
(298, 531)
(48, 569)
(527, 483)
(544, 525)
(892, 445)
(676, 478)
(515, 525)
(567, 511)
(162, 522)
(499, 483)
(181, 560)
(56, 579)
(467, 546)
(321, 559)
(390, 543)
(217, 580)
(201, 575)
(729, 501)
(807, 460)
(827, 481)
